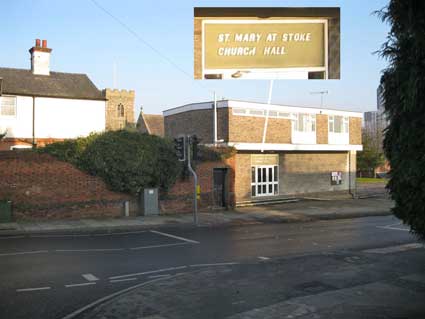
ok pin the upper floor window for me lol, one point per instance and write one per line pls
(120, 110)
(305, 122)
(7, 106)
(338, 124)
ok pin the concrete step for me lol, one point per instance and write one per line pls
(267, 202)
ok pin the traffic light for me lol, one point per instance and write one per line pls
(195, 148)
(180, 147)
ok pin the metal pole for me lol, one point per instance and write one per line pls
(267, 115)
(215, 118)
(195, 181)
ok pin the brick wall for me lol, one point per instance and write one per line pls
(322, 128)
(179, 199)
(355, 130)
(299, 173)
(41, 187)
(309, 172)
(199, 122)
(115, 97)
(7, 143)
(242, 177)
(249, 129)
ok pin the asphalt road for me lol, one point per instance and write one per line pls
(52, 276)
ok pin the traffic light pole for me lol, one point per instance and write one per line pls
(195, 181)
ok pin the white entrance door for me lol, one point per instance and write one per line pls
(264, 180)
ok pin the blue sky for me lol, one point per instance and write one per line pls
(86, 40)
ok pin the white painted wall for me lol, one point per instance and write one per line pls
(67, 118)
(20, 125)
(55, 118)
(339, 138)
(40, 62)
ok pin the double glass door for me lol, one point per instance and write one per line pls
(264, 180)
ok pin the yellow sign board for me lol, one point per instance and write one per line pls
(276, 44)
(264, 159)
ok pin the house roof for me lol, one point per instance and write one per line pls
(153, 123)
(57, 84)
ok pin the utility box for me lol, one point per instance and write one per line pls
(5, 211)
(149, 202)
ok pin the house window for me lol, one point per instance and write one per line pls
(7, 106)
(120, 110)
(338, 124)
(305, 122)
(264, 180)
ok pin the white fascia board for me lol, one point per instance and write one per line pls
(291, 109)
(259, 106)
(293, 147)
(194, 107)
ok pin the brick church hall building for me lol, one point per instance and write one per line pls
(306, 150)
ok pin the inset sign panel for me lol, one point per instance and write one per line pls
(264, 44)
(267, 43)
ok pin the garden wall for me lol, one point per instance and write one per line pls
(42, 187)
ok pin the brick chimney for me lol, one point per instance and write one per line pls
(40, 58)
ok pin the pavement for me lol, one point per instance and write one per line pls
(309, 209)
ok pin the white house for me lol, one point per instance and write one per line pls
(38, 106)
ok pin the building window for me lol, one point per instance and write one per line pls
(338, 124)
(264, 180)
(7, 106)
(305, 122)
(120, 110)
(260, 113)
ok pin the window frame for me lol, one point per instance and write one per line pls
(120, 110)
(15, 106)
(309, 121)
(265, 182)
(345, 124)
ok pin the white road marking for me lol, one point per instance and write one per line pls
(216, 264)
(122, 233)
(60, 236)
(79, 285)
(90, 277)
(11, 237)
(175, 237)
(157, 276)
(263, 258)
(87, 250)
(394, 228)
(159, 246)
(32, 289)
(148, 272)
(76, 313)
(124, 279)
(25, 253)
(394, 249)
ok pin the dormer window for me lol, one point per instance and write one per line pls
(120, 110)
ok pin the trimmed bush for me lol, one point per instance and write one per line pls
(126, 161)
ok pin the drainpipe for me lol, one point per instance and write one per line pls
(33, 122)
